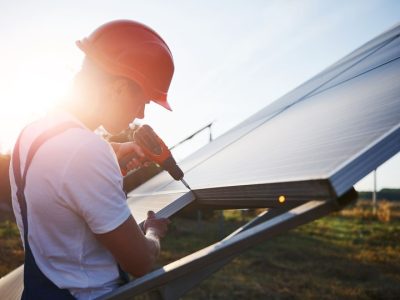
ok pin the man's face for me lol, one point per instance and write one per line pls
(126, 102)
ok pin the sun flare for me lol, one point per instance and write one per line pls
(31, 91)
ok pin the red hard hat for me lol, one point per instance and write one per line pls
(135, 51)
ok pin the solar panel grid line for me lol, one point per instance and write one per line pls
(382, 53)
(319, 89)
(366, 47)
(287, 100)
(365, 50)
(355, 76)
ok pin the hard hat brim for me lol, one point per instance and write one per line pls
(164, 104)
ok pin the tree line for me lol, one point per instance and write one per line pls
(387, 194)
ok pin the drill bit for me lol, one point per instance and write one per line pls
(185, 183)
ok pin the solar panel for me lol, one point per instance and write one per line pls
(315, 142)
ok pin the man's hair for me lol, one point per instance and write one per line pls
(91, 72)
(93, 75)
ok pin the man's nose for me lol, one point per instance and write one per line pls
(140, 114)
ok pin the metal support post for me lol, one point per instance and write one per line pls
(374, 196)
(175, 279)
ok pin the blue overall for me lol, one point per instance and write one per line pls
(36, 285)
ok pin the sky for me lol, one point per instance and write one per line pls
(232, 58)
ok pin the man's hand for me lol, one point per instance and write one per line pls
(123, 149)
(158, 227)
(134, 251)
(154, 229)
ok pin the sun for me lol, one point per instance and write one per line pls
(33, 88)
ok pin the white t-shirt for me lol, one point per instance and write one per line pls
(73, 189)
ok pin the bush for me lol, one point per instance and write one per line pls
(384, 211)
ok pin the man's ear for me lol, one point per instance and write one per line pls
(110, 94)
(118, 85)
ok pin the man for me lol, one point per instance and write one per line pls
(66, 184)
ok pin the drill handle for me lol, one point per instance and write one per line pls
(152, 145)
(123, 162)
(154, 150)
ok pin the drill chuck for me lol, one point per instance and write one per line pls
(172, 168)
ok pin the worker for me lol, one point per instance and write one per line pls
(78, 233)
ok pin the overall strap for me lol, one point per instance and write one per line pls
(36, 284)
(20, 180)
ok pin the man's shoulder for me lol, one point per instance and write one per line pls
(74, 129)
(75, 140)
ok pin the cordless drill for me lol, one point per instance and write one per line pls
(154, 150)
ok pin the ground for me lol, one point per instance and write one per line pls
(348, 255)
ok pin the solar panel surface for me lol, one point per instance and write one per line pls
(315, 142)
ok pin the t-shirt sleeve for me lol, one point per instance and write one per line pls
(92, 186)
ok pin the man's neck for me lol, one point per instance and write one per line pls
(81, 111)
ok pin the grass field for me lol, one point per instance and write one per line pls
(348, 255)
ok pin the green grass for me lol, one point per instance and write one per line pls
(11, 251)
(348, 255)
(342, 256)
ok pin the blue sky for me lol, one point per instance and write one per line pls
(232, 57)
